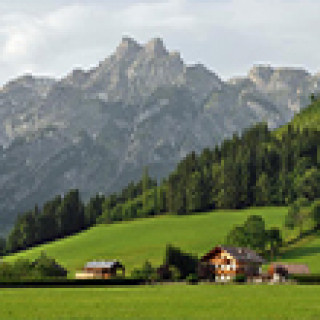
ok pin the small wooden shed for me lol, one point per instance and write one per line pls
(281, 270)
(101, 270)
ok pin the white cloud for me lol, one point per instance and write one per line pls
(167, 14)
(228, 36)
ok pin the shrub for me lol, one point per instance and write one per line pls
(45, 267)
(146, 272)
(6, 271)
(166, 272)
(175, 273)
(240, 278)
(182, 261)
(192, 278)
(42, 268)
(306, 278)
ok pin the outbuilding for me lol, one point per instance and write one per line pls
(279, 271)
(101, 270)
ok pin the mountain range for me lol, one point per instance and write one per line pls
(95, 130)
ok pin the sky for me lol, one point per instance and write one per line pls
(52, 37)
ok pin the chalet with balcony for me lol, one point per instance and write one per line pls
(227, 262)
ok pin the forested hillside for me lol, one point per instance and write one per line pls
(258, 168)
(96, 129)
(309, 117)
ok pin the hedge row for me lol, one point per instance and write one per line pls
(69, 283)
(306, 278)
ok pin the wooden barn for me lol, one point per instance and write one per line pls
(101, 270)
(227, 262)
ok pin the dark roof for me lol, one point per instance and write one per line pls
(239, 253)
(103, 264)
(293, 268)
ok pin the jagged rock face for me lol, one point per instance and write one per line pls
(287, 88)
(96, 129)
(19, 102)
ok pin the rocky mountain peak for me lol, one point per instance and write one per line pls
(39, 85)
(156, 47)
(202, 70)
(261, 73)
(76, 78)
(266, 73)
(127, 45)
(22, 81)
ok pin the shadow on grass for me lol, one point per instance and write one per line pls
(301, 252)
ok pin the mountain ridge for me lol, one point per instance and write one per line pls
(141, 106)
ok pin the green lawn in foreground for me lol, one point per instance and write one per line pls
(263, 302)
(136, 241)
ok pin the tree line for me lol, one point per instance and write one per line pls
(43, 267)
(65, 215)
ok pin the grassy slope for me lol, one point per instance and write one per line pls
(134, 242)
(163, 302)
(306, 251)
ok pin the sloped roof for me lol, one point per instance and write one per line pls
(103, 264)
(239, 253)
(293, 268)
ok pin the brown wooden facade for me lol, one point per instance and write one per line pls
(230, 261)
(101, 270)
(101, 273)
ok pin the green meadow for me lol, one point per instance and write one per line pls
(263, 302)
(306, 251)
(136, 241)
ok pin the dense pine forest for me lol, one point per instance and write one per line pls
(259, 168)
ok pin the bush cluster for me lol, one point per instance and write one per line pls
(23, 269)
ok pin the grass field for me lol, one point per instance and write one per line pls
(163, 302)
(136, 241)
(305, 251)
